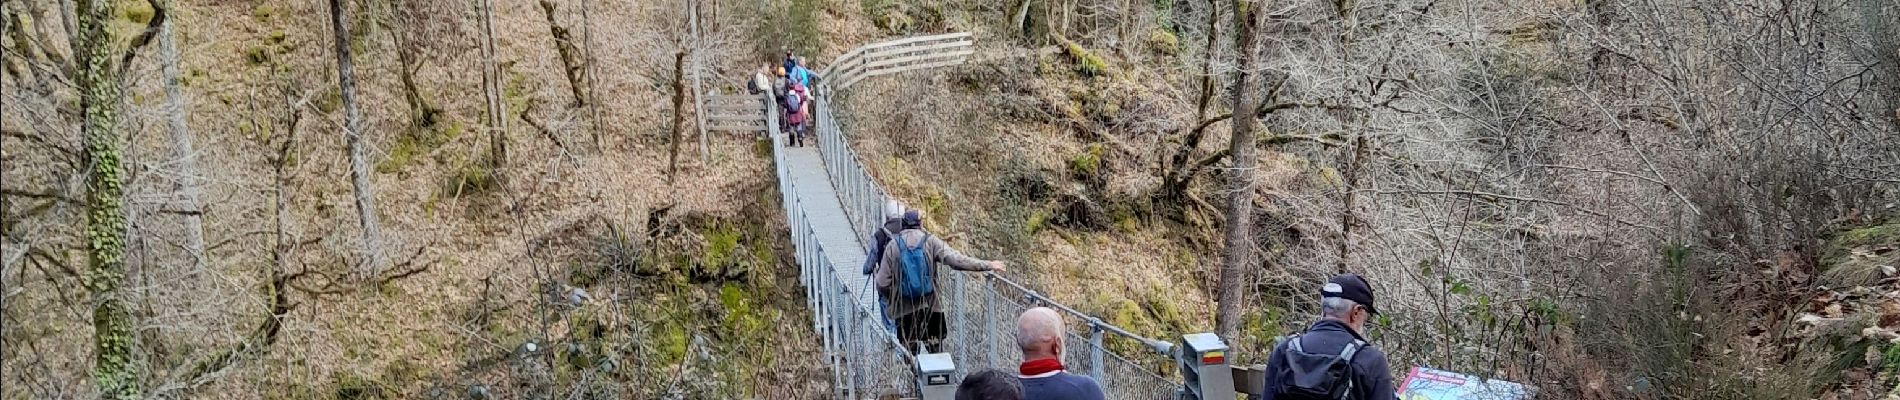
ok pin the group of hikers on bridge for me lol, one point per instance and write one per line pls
(1329, 360)
(790, 85)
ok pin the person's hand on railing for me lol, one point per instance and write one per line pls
(997, 266)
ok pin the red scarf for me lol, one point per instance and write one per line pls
(1039, 366)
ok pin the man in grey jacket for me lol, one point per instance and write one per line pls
(919, 318)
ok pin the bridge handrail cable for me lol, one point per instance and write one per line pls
(973, 346)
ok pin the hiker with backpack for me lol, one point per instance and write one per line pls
(797, 70)
(759, 83)
(893, 223)
(1331, 359)
(906, 278)
(797, 103)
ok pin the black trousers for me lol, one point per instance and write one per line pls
(923, 326)
(796, 135)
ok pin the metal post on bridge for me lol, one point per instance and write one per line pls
(1095, 349)
(1204, 369)
(989, 322)
(934, 376)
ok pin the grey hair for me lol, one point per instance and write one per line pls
(1336, 307)
(893, 209)
(1036, 326)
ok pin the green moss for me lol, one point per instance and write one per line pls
(329, 101)
(1880, 234)
(1086, 63)
(415, 143)
(1164, 41)
(670, 342)
(276, 37)
(1329, 178)
(1848, 260)
(889, 16)
(1087, 163)
(136, 11)
(399, 156)
(357, 387)
(471, 178)
(257, 55)
(1099, 104)
(936, 205)
(1124, 219)
(1037, 220)
(742, 320)
(263, 12)
(1890, 361)
(762, 147)
(721, 243)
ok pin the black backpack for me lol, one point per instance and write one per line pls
(1316, 376)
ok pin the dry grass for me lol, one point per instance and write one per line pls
(410, 333)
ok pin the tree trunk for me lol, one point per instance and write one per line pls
(1239, 238)
(593, 71)
(570, 56)
(1355, 161)
(353, 136)
(421, 113)
(189, 184)
(679, 116)
(491, 86)
(705, 154)
(1207, 60)
(113, 368)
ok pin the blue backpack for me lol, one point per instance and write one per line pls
(792, 101)
(915, 278)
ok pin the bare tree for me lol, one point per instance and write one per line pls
(184, 153)
(100, 84)
(1238, 253)
(573, 62)
(491, 89)
(372, 235)
(679, 115)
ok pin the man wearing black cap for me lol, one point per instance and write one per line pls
(1332, 360)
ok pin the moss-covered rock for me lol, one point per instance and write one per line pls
(1086, 63)
(1164, 42)
(136, 11)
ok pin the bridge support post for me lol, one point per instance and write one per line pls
(989, 323)
(934, 373)
(1095, 351)
(1204, 368)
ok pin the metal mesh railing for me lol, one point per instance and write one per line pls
(982, 311)
(865, 360)
(981, 308)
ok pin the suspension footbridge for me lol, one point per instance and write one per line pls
(832, 203)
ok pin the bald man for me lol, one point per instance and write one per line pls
(1039, 334)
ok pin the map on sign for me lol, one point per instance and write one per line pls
(1430, 384)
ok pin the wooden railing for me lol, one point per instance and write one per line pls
(896, 56)
(737, 112)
